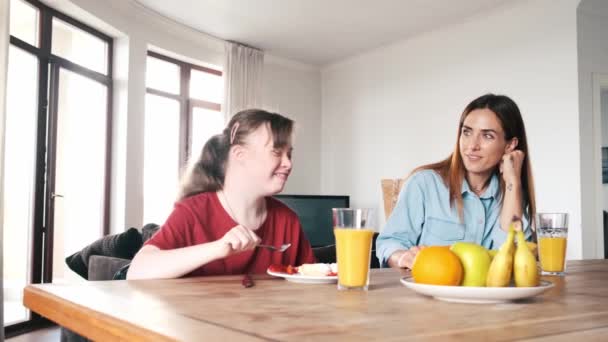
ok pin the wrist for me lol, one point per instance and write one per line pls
(400, 262)
(396, 258)
(512, 182)
(220, 249)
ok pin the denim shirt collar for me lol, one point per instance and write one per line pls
(491, 191)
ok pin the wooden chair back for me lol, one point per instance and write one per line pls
(390, 193)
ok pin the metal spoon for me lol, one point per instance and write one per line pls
(277, 249)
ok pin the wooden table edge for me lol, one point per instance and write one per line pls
(102, 327)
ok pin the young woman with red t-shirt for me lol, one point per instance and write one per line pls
(224, 209)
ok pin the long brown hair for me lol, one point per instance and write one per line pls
(452, 168)
(209, 171)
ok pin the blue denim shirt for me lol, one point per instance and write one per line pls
(423, 216)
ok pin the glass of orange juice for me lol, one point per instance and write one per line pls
(354, 234)
(552, 234)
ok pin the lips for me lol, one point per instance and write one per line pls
(282, 176)
(473, 158)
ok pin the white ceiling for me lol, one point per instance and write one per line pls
(317, 32)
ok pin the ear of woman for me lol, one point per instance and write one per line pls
(512, 145)
(237, 152)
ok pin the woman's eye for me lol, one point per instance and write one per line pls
(488, 136)
(276, 153)
(466, 132)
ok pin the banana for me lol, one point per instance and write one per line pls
(499, 274)
(492, 253)
(525, 270)
(531, 246)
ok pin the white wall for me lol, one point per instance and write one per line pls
(289, 87)
(395, 108)
(294, 90)
(4, 38)
(592, 18)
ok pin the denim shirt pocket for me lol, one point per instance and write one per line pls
(442, 232)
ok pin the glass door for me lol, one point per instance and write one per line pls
(19, 176)
(77, 181)
(56, 165)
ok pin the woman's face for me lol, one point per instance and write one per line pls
(266, 166)
(482, 142)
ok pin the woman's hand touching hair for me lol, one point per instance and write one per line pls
(510, 167)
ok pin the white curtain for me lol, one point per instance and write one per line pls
(4, 38)
(243, 68)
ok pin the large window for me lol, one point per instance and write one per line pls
(57, 149)
(183, 110)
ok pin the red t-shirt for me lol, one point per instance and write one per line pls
(201, 218)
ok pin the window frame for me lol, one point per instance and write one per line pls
(48, 70)
(186, 102)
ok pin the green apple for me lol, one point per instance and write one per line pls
(475, 261)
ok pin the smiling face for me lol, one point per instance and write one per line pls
(265, 166)
(482, 142)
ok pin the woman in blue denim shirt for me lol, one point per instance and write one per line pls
(473, 194)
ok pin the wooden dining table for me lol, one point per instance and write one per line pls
(221, 309)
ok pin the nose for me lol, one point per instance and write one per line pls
(286, 161)
(476, 142)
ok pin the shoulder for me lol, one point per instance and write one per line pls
(202, 202)
(425, 179)
(198, 200)
(279, 208)
(282, 214)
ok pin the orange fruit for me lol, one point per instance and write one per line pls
(437, 265)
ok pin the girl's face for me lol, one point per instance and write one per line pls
(265, 165)
(482, 142)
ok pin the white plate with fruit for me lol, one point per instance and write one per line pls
(475, 294)
(468, 273)
(306, 273)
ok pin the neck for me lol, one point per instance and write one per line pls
(246, 208)
(478, 182)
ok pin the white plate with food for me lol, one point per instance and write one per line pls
(477, 295)
(307, 273)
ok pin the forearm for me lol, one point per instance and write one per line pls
(153, 263)
(512, 205)
(389, 246)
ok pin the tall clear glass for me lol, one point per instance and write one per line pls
(552, 234)
(354, 235)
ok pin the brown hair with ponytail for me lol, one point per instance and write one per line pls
(209, 171)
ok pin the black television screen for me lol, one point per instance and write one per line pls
(315, 215)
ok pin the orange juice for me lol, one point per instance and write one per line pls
(552, 253)
(353, 251)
